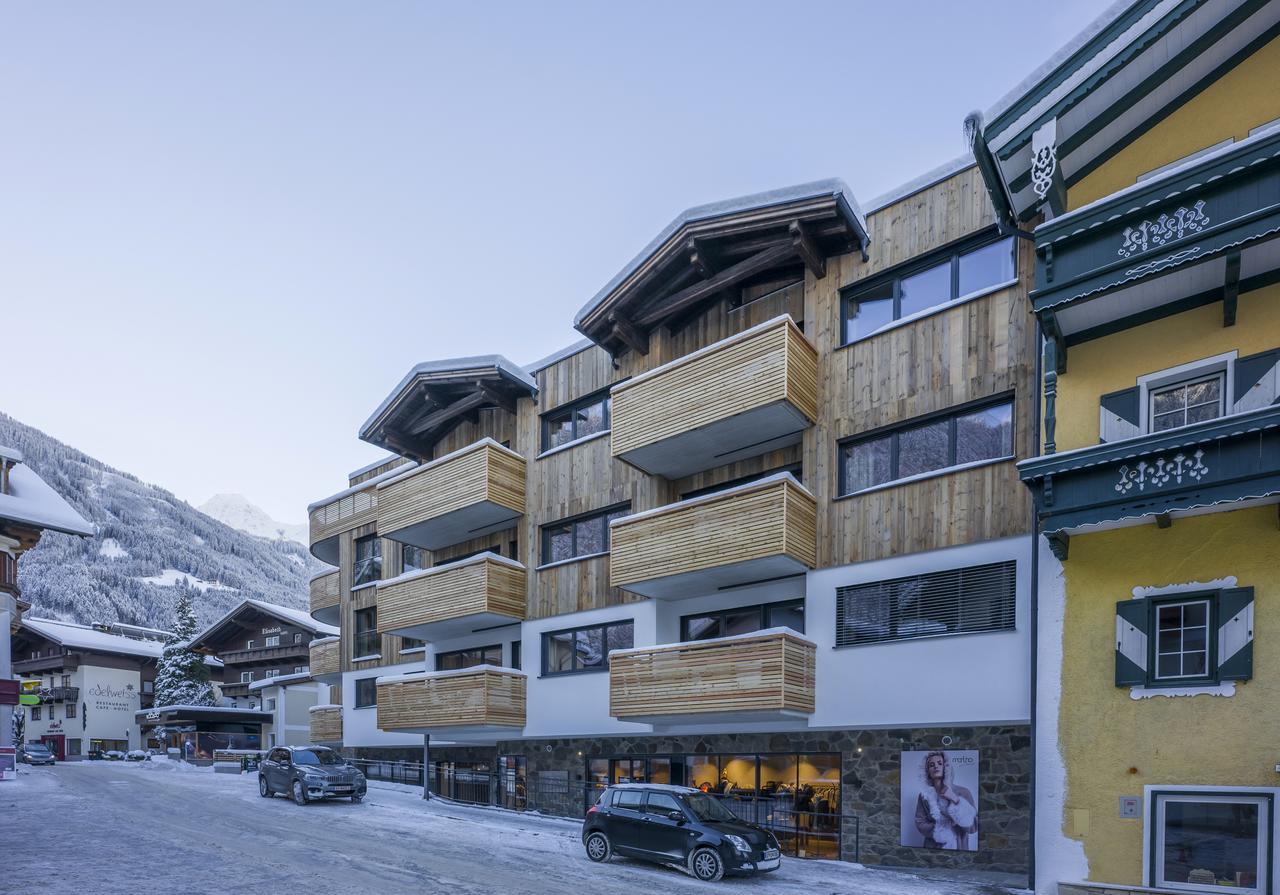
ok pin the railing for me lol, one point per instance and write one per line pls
(326, 594)
(344, 512)
(61, 694)
(745, 395)
(480, 697)
(408, 773)
(326, 658)
(262, 653)
(477, 592)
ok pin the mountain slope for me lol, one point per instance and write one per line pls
(148, 545)
(236, 510)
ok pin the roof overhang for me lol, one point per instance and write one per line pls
(434, 396)
(235, 620)
(1119, 77)
(709, 250)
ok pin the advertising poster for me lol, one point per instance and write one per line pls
(940, 799)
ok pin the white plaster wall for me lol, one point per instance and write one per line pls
(360, 726)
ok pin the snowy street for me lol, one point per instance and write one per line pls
(111, 828)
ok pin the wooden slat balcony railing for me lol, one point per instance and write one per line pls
(478, 592)
(766, 675)
(326, 596)
(746, 395)
(760, 531)
(266, 654)
(326, 660)
(344, 511)
(471, 703)
(326, 723)
(466, 494)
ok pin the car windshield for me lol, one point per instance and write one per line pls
(317, 756)
(38, 750)
(705, 807)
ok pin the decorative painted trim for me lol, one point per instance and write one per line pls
(1166, 228)
(1226, 688)
(1161, 471)
(1044, 165)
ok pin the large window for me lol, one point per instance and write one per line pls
(937, 281)
(366, 641)
(1209, 841)
(938, 443)
(1185, 639)
(743, 620)
(589, 416)
(583, 536)
(366, 692)
(469, 658)
(412, 559)
(367, 567)
(956, 601)
(584, 649)
(1188, 402)
(1182, 647)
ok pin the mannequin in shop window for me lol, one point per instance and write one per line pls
(946, 814)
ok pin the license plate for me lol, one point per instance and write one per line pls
(341, 788)
(768, 864)
(771, 854)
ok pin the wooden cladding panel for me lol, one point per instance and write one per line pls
(326, 591)
(486, 473)
(768, 519)
(489, 422)
(386, 466)
(476, 699)
(326, 658)
(345, 513)
(774, 364)
(771, 672)
(477, 587)
(326, 726)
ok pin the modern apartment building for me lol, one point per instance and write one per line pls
(761, 531)
(1144, 162)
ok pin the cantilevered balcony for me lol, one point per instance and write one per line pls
(478, 704)
(344, 511)
(481, 591)
(755, 532)
(326, 723)
(746, 395)
(466, 494)
(1220, 464)
(326, 660)
(325, 597)
(765, 676)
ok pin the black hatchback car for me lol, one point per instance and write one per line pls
(676, 825)
(309, 772)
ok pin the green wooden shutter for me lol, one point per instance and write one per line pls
(1235, 634)
(1132, 622)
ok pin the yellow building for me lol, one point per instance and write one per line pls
(1144, 164)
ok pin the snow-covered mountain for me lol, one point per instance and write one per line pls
(237, 511)
(148, 545)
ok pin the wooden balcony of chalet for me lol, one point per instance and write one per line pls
(759, 531)
(765, 676)
(326, 660)
(326, 723)
(474, 704)
(455, 598)
(743, 396)
(471, 492)
(326, 595)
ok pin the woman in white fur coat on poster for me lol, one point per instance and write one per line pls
(946, 814)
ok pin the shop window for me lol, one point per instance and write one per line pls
(584, 649)
(969, 600)
(1185, 639)
(1210, 841)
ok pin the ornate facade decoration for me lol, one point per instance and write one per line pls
(1160, 472)
(1043, 166)
(1163, 229)
(1161, 263)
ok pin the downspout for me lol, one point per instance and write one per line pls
(1006, 220)
(1035, 609)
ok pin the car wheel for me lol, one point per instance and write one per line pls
(357, 797)
(599, 849)
(706, 865)
(263, 789)
(299, 793)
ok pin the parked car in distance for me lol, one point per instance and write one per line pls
(36, 753)
(677, 825)
(113, 755)
(309, 772)
(137, 755)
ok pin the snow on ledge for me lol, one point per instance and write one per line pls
(320, 640)
(328, 707)
(448, 566)
(363, 486)
(763, 632)
(683, 359)
(715, 495)
(295, 678)
(440, 461)
(432, 675)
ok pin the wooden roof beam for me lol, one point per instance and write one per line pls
(625, 331)
(702, 259)
(807, 249)
(730, 276)
(469, 401)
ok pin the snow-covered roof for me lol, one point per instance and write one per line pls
(84, 637)
(557, 356)
(325, 707)
(374, 465)
(13, 455)
(214, 709)
(284, 613)
(829, 187)
(347, 492)
(300, 677)
(31, 501)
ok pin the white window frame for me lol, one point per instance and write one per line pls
(1200, 369)
(271, 640)
(246, 677)
(270, 673)
(249, 645)
(1209, 618)
(1153, 831)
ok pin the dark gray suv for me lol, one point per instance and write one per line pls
(309, 772)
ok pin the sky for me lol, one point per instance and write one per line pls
(228, 229)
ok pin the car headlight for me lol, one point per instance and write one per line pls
(739, 844)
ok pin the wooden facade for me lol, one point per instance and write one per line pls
(326, 724)
(772, 672)
(326, 595)
(475, 698)
(482, 591)
(326, 659)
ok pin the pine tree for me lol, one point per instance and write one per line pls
(181, 675)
